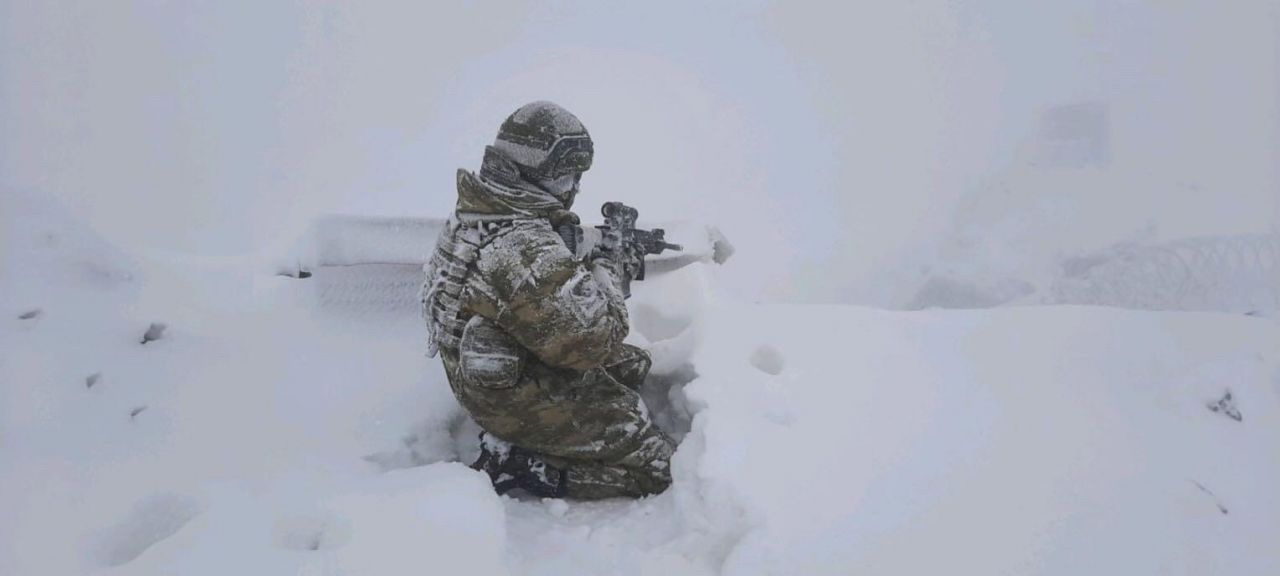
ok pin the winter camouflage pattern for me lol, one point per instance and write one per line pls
(531, 341)
(587, 423)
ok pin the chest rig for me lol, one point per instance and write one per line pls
(451, 264)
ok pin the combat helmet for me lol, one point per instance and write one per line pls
(546, 141)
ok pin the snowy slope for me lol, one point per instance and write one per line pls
(262, 434)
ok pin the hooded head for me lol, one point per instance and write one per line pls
(540, 145)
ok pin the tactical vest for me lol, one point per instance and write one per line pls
(448, 271)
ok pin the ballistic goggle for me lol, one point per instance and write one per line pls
(569, 154)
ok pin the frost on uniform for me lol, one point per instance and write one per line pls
(530, 334)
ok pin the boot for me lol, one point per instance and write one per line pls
(510, 467)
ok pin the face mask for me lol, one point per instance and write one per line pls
(564, 188)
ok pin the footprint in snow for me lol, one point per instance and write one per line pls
(154, 332)
(767, 359)
(1227, 407)
(151, 520)
(321, 531)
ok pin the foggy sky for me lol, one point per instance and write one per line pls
(832, 143)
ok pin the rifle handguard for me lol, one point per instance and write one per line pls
(634, 245)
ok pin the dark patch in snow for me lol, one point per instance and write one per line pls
(1216, 501)
(92, 379)
(154, 332)
(313, 532)
(133, 414)
(152, 520)
(298, 273)
(31, 314)
(721, 249)
(767, 359)
(1227, 407)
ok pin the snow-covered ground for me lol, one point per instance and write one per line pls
(263, 434)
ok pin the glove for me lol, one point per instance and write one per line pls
(565, 223)
(621, 264)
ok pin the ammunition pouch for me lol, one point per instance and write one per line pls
(489, 356)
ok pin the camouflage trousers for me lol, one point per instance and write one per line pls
(591, 424)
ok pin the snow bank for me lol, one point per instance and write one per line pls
(1039, 440)
(261, 434)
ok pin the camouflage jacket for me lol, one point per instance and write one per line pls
(503, 292)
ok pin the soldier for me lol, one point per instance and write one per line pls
(530, 331)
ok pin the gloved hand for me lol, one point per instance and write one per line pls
(565, 223)
(561, 217)
(618, 259)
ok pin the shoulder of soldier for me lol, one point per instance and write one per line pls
(522, 242)
(525, 251)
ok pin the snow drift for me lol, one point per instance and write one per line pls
(262, 434)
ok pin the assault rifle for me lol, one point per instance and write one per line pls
(628, 244)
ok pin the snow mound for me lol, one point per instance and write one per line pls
(1052, 440)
